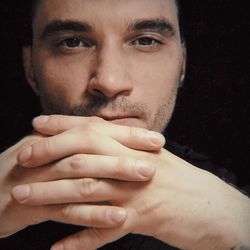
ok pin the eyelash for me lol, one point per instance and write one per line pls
(144, 39)
(63, 43)
(144, 43)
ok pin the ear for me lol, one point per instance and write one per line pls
(28, 68)
(183, 67)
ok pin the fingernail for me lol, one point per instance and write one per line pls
(21, 193)
(145, 168)
(117, 216)
(24, 154)
(57, 246)
(40, 119)
(156, 138)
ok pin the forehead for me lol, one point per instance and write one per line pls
(104, 12)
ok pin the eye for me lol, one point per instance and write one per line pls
(145, 41)
(147, 44)
(74, 42)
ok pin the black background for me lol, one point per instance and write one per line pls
(212, 109)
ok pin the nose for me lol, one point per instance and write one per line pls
(111, 77)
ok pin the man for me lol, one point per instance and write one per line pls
(117, 65)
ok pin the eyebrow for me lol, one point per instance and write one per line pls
(161, 26)
(156, 25)
(65, 26)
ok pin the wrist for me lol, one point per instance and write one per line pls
(232, 225)
(241, 220)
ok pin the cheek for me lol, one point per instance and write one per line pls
(62, 76)
(158, 76)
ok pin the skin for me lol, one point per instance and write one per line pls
(95, 171)
(111, 72)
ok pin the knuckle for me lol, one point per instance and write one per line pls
(66, 211)
(73, 242)
(93, 123)
(87, 187)
(121, 166)
(79, 239)
(90, 138)
(93, 217)
(77, 161)
(47, 145)
(29, 140)
(135, 132)
(92, 239)
(117, 166)
(82, 131)
(46, 194)
(86, 128)
(85, 140)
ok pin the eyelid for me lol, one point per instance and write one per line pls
(80, 40)
(154, 38)
(58, 40)
(151, 35)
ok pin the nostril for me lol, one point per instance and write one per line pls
(97, 92)
(109, 83)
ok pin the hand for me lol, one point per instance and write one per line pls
(170, 210)
(14, 216)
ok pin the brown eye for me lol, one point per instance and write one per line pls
(145, 41)
(74, 43)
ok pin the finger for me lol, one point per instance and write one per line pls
(137, 138)
(68, 191)
(89, 239)
(20, 217)
(96, 166)
(56, 124)
(69, 143)
(98, 216)
(91, 166)
(82, 215)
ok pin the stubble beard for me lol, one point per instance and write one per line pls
(93, 105)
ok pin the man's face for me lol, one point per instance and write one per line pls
(121, 60)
